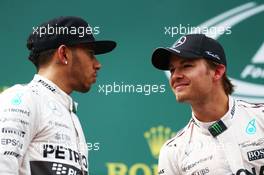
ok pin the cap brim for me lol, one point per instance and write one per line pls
(161, 57)
(101, 47)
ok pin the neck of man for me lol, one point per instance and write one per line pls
(57, 77)
(211, 108)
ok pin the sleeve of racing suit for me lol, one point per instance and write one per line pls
(17, 122)
(167, 162)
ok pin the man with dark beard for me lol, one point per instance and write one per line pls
(41, 133)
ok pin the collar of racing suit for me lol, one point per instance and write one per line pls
(64, 98)
(226, 119)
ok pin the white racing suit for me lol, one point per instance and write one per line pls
(39, 131)
(238, 150)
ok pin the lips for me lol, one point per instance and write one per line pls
(94, 76)
(180, 86)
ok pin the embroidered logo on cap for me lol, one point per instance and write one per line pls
(212, 55)
(180, 41)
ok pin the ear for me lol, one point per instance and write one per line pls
(62, 54)
(219, 72)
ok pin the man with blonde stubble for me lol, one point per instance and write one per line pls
(224, 136)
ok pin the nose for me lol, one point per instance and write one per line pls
(176, 75)
(97, 64)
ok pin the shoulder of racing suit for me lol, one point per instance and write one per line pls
(171, 148)
(179, 137)
(254, 110)
(251, 106)
(23, 99)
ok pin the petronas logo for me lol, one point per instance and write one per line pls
(156, 137)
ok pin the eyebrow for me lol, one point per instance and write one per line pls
(182, 62)
(186, 61)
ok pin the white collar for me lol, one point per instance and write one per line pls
(227, 118)
(59, 94)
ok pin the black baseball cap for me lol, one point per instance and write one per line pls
(68, 30)
(189, 46)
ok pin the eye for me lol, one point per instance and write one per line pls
(90, 53)
(187, 65)
(172, 69)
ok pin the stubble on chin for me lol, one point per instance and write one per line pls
(84, 89)
(181, 98)
(87, 89)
